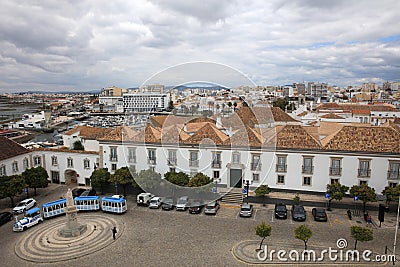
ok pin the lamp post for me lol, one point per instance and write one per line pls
(248, 183)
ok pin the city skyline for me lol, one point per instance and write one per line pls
(90, 45)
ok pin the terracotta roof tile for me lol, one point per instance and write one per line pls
(65, 149)
(10, 149)
(89, 132)
(294, 136)
(368, 139)
(331, 116)
(208, 132)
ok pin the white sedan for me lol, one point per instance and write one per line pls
(24, 205)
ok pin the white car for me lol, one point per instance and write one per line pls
(32, 217)
(143, 199)
(24, 205)
(155, 203)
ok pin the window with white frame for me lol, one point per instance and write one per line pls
(336, 166)
(334, 180)
(391, 184)
(113, 153)
(70, 162)
(2, 170)
(86, 163)
(151, 156)
(281, 163)
(362, 182)
(37, 160)
(307, 165)
(113, 167)
(14, 166)
(235, 158)
(54, 161)
(172, 157)
(306, 180)
(256, 177)
(216, 160)
(194, 159)
(131, 155)
(25, 162)
(280, 179)
(394, 170)
(216, 175)
(364, 168)
(255, 164)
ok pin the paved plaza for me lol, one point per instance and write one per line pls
(169, 238)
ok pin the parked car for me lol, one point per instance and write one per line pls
(24, 205)
(168, 203)
(143, 199)
(195, 207)
(88, 192)
(319, 214)
(280, 211)
(298, 213)
(182, 203)
(76, 192)
(155, 203)
(32, 217)
(211, 208)
(246, 210)
(5, 217)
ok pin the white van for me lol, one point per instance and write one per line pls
(143, 199)
(182, 203)
(155, 203)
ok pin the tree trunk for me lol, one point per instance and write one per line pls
(124, 187)
(329, 204)
(261, 243)
(34, 192)
(305, 244)
(355, 245)
(12, 201)
(364, 206)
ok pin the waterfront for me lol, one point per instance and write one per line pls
(11, 111)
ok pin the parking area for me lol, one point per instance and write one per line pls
(155, 237)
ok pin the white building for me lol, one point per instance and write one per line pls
(145, 102)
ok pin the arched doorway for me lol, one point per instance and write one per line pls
(71, 177)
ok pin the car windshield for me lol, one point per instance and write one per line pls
(298, 209)
(168, 201)
(245, 209)
(210, 206)
(320, 212)
(196, 204)
(181, 201)
(153, 201)
(280, 208)
(21, 204)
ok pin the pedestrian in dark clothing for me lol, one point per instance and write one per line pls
(114, 232)
(369, 220)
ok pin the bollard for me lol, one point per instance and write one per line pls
(349, 214)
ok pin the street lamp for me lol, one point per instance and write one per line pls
(216, 180)
(247, 183)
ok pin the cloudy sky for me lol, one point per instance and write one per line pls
(86, 45)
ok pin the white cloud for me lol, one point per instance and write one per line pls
(92, 44)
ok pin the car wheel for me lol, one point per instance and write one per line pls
(23, 229)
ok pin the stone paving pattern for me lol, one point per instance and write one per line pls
(171, 238)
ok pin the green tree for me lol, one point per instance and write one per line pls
(122, 177)
(36, 177)
(193, 109)
(170, 105)
(100, 178)
(303, 233)
(234, 105)
(229, 104)
(148, 179)
(364, 193)
(77, 145)
(280, 103)
(361, 234)
(177, 178)
(262, 190)
(336, 191)
(263, 230)
(296, 199)
(391, 193)
(199, 179)
(10, 186)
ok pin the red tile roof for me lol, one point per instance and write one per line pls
(10, 149)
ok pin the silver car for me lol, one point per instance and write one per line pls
(246, 210)
(211, 208)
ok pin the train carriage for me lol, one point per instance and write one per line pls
(113, 204)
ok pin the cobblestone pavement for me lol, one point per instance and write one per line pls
(171, 238)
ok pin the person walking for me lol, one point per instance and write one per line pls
(369, 220)
(114, 232)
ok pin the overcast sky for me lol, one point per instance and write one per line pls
(86, 45)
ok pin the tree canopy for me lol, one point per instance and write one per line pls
(10, 186)
(77, 145)
(336, 191)
(199, 179)
(122, 177)
(100, 178)
(36, 177)
(303, 233)
(263, 230)
(361, 234)
(391, 193)
(262, 190)
(148, 179)
(364, 193)
(177, 178)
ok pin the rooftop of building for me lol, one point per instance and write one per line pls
(10, 149)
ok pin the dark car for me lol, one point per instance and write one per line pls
(195, 207)
(5, 217)
(76, 192)
(88, 192)
(298, 213)
(319, 214)
(168, 204)
(280, 211)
